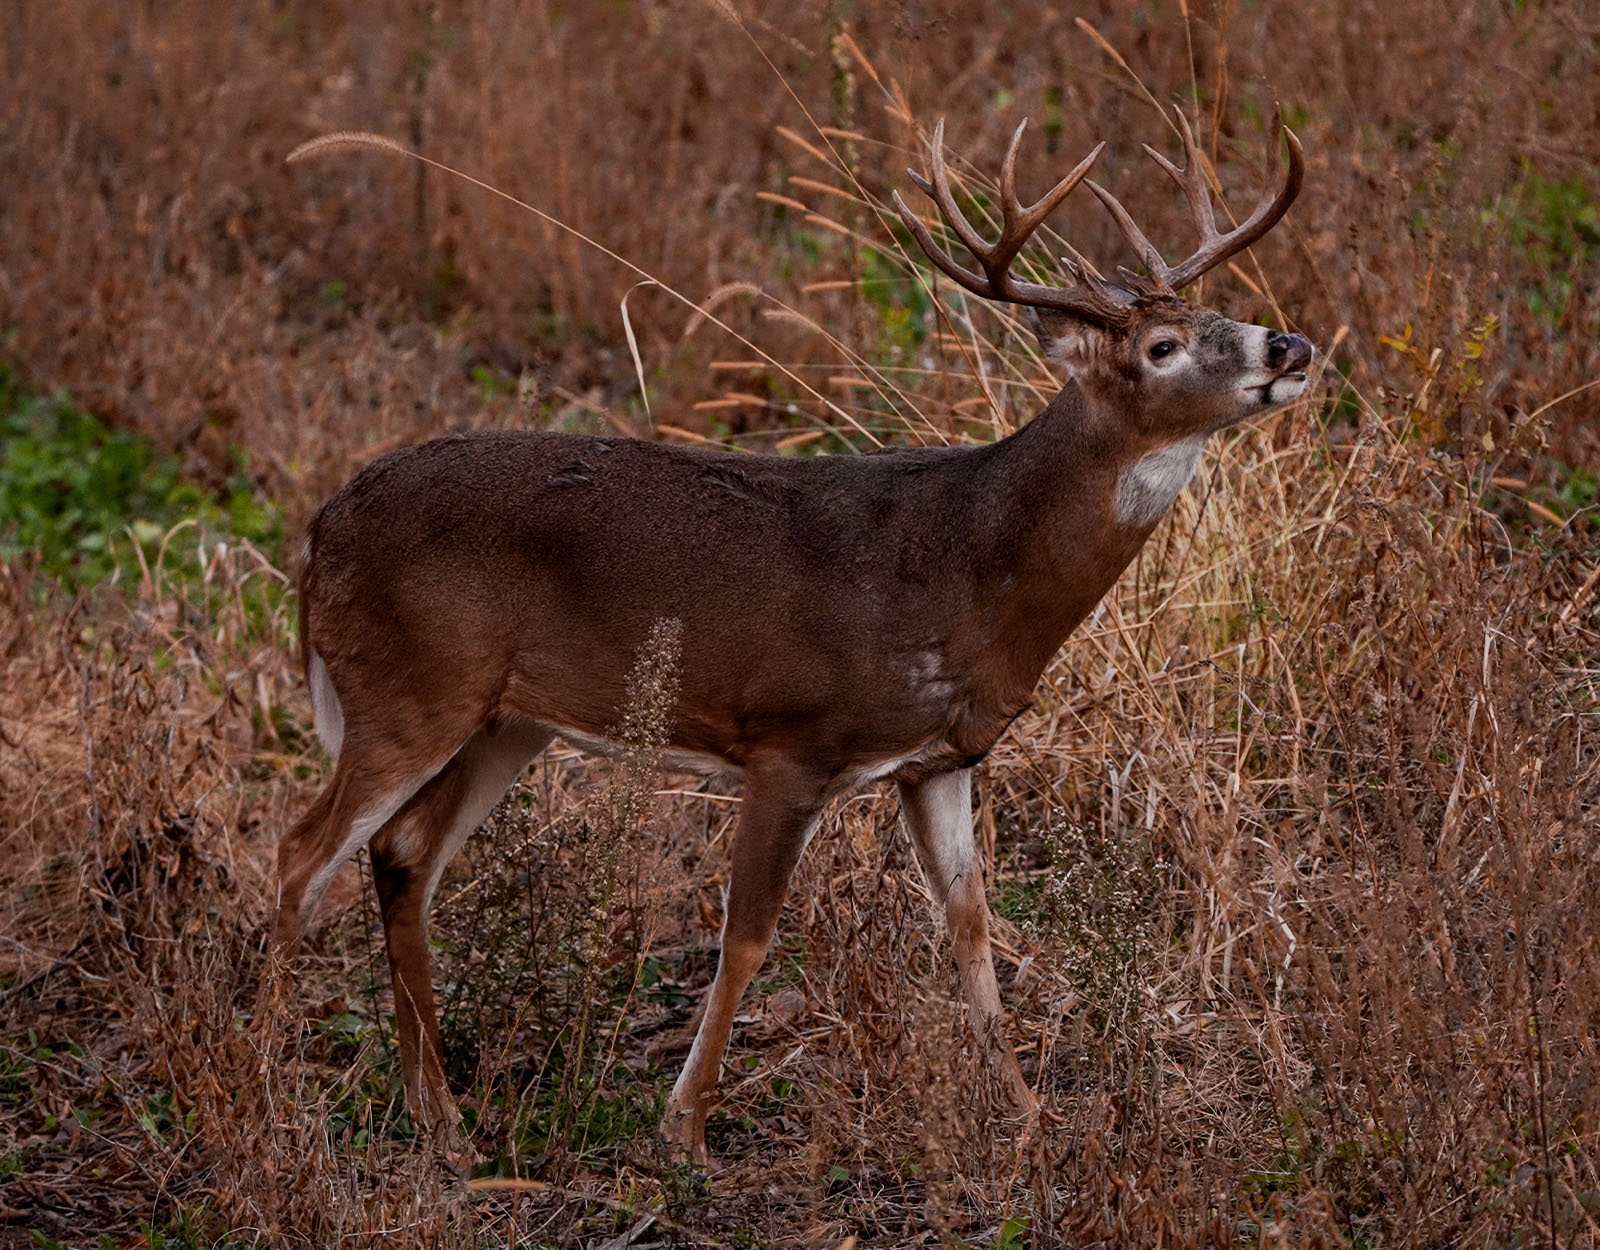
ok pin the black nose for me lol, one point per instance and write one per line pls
(1287, 352)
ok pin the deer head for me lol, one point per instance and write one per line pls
(1168, 371)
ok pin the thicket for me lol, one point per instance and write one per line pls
(1295, 855)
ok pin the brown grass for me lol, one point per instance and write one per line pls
(1316, 960)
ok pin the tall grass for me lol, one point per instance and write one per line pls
(1295, 854)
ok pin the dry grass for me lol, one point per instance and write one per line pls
(1296, 853)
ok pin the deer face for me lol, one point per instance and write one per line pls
(1179, 371)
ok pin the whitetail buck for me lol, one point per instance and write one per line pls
(843, 618)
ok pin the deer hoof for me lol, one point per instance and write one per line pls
(437, 1119)
(684, 1135)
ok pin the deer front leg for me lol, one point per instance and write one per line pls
(938, 815)
(780, 807)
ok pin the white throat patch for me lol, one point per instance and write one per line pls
(1147, 487)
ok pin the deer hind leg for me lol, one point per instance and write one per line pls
(409, 856)
(938, 814)
(780, 808)
(359, 800)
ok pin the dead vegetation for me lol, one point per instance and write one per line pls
(1296, 854)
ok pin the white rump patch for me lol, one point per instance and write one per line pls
(326, 712)
(1147, 487)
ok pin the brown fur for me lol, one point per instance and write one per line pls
(842, 617)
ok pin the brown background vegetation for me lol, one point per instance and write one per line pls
(1314, 961)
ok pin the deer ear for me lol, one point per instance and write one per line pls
(1070, 342)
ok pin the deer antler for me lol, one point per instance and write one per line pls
(1087, 298)
(1191, 179)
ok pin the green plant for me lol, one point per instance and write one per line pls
(1555, 229)
(89, 503)
(16, 1077)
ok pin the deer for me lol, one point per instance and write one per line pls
(844, 619)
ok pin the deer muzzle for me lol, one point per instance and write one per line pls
(1288, 353)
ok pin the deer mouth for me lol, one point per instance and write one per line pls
(1279, 389)
(1284, 388)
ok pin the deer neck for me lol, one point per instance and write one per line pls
(1077, 495)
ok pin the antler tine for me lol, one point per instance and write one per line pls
(946, 201)
(1191, 179)
(1017, 225)
(1135, 236)
(938, 191)
(1270, 208)
(1008, 171)
(1020, 221)
(1215, 247)
(934, 252)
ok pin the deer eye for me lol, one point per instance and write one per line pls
(1161, 349)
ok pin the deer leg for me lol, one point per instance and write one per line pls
(938, 814)
(777, 816)
(409, 856)
(357, 802)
